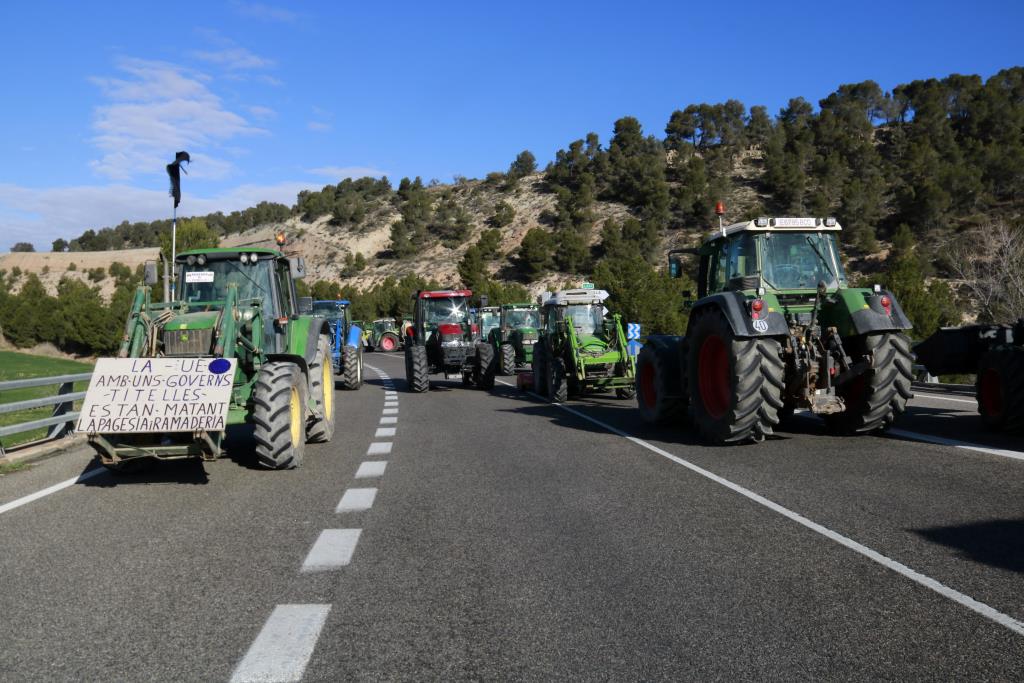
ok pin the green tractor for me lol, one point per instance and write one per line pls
(443, 338)
(581, 348)
(384, 335)
(240, 304)
(777, 328)
(514, 337)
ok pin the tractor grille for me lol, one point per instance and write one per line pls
(600, 370)
(187, 342)
(787, 300)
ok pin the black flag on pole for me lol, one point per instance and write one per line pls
(174, 171)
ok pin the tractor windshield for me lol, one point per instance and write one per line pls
(488, 321)
(209, 281)
(452, 309)
(588, 319)
(800, 260)
(327, 309)
(524, 318)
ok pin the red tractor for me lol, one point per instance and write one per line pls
(443, 338)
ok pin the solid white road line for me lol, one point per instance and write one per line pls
(384, 431)
(390, 411)
(371, 468)
(905, 571)
(333, 549)
(282, 649)
(390, 420)
(356, 500)
(25, 500)
(966, 445)
(934, 397)
(379, 448)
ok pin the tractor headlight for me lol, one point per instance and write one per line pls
(201, 260)
(248, 314)
(244, 258)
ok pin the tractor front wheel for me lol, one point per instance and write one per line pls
(351, 367)
(558, 388)
(875, 398)
(484, 366)
(735, 384)
(657, 391)
(388, 342)
(279, 415)
(1000, 389)
(508, 359)
(417, 375)
(321, 387)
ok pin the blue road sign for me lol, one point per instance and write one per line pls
(632, 330)
(634, 348)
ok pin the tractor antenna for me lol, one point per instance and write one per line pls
(174, 170)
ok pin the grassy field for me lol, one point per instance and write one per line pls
(15, 365)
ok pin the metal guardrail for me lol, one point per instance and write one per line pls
(61, 422)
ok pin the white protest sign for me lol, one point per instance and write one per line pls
(199, 276)
(138, 395)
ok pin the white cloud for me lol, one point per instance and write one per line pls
(40, 216)
(262, 113)
(233, 58)
(257, 10)
(342, 172)
(318, 126)
(159, 109)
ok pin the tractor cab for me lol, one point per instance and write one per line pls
(260, 281)
(582, 309)
(488, 318)
(441, 312)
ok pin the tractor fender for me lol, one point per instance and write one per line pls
(733, 306)
(872, 317)
(303, 336)
(355, 337)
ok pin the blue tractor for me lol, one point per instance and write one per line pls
(346, 341)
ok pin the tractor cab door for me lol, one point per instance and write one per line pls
(282, 307)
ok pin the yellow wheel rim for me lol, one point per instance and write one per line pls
(328, 387)
(296, 410)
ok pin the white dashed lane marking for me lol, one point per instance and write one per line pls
(384, 431)
(333, 549)
(390, 411)
(388, 420)
(356, 500)
(371, 468)
(284, 646)
(379, 448)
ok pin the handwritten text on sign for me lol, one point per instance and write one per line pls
(128, 395)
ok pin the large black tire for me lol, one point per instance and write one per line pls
(874, 399)
(351, 367)
(659, 391)
(1000, 389)
(320, 428)
(540, 357)
(279, 415)
(508, 359)
(558, 387)
(734, 384)
(485, 366)
(417, 375)
(388, 342)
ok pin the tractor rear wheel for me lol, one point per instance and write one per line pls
(388, 342)
(1000, 389)
(655, 386)
(321, 387)
(279, 415)
(417, 375)
(508, 359)
(484, 366)
(558, 388)
(735, 384)
(351, 367)
(540, 357)
(875, 398)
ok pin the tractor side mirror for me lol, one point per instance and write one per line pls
(305, 305)
(150, 276)
(675, 268)
(297, 267)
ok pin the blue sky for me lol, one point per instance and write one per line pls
(273, 97)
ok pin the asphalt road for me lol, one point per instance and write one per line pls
(509, 539)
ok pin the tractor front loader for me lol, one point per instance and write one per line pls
(777, 328)
(444, 339)
(581, 348)
(235, 304)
